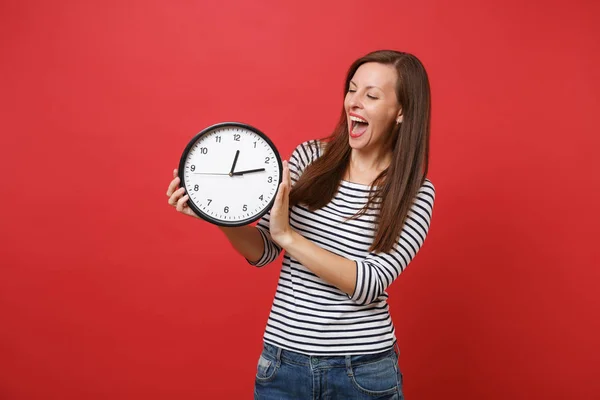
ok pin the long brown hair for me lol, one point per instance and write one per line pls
(397, 185)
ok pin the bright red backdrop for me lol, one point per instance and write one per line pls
(107, 293)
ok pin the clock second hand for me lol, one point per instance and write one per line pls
(237, 173)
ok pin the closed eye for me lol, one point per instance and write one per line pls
(372, 97)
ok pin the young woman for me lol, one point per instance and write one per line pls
(351, 213)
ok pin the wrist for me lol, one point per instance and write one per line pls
(286, 239)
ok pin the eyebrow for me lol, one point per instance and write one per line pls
(368, 87)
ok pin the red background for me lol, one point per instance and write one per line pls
(107, 293)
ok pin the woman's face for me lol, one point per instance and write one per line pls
(371, 105)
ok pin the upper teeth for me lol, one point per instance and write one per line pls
(357, 119)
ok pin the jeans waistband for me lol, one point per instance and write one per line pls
(278, 354)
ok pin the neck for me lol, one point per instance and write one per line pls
(364, 167)
(373, 161)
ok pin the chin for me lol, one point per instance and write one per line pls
(359, 142)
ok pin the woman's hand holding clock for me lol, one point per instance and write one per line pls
(177, 196)
(279, 213)
(279, 226)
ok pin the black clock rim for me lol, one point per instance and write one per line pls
(186, 151)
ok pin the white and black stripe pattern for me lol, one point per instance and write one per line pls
(313, 317)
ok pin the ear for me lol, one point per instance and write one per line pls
(399, 117)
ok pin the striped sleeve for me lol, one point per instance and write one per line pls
(377, 271)
(271, 249)
(301, 157)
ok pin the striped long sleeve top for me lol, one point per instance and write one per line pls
(311, 316)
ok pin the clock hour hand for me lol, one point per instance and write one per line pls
(248, 171)
(237, 153)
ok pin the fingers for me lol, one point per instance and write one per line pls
(278, 196)
(288, 183)
(173, 184)
(284, 187)
(286, 174)
(176, 196)
(181, 203)
(172, 187)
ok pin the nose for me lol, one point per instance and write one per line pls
(354, 100)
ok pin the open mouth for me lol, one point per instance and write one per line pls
(359, 126)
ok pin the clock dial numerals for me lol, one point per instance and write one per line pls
(231, 174)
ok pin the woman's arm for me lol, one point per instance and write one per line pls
(246, 240)
(365, 280)
(252, 242)
(256, 243)
(336, 270)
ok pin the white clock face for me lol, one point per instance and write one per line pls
(231, 174)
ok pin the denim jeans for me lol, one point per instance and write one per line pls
(283, 374)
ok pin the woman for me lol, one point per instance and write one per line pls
(352, 211)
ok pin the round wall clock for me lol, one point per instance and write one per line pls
(231, 172)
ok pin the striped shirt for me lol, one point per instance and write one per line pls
(311, 316)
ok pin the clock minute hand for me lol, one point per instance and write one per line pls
(248, 171)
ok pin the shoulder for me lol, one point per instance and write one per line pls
(426, 192)
(306, 152)
(428, 187)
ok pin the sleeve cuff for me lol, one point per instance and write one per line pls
(358, 287)
(261, 261)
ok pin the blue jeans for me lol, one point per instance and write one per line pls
(283, 374)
